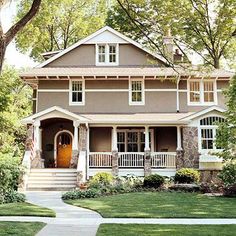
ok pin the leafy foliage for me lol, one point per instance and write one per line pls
(59, 24)
(204, 27)
(228, 174)
(226, 134)
(101, 178)
(14, 105)
(153, 181)
(78, 194)
(187, 176)
(12, 196)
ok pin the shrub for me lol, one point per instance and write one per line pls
(11, 196)
(228, 174)
(78, 194)
(153, 181)
(101, 179)
(10, 170)
(187, 176)
(230, 190)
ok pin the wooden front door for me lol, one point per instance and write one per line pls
(64, 150)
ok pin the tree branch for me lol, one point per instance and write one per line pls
(11, 33)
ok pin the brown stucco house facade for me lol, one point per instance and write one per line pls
(108, 104)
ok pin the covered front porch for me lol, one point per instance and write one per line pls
(137, 150)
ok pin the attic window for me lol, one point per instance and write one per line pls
(106, 54)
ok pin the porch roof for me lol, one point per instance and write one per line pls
(137, 118)
(120, 72)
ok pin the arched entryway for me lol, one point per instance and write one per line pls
(63, 148)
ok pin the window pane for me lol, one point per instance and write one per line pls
(101, 58)
(112, 58)
(101, 48)
(112, 49)
(132, 147)
(194, 91)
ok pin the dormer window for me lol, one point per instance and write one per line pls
(106, 54)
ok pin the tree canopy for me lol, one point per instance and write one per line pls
(205, 27)
(226, 135)
(15, 97)
(59, 24)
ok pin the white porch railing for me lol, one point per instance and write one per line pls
(100, 159)
(131, 159)
(163, 159)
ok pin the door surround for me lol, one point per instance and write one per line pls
(55, 142)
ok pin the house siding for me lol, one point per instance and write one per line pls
(118, 101)
(84, 55)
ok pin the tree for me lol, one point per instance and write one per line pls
(226, 135)
(59, 24)
(205, 27)
(16, 97)
(6, 38)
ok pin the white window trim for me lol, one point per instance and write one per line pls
(201, 102)
(107, 63)
(139, 137)
(131, 103)
(71, 103)
(214, 128)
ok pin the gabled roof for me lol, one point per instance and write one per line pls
(106, 28)
(73, 116)
(205, 111)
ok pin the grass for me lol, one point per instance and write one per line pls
(160, 205)
(24, 209)
(165, 230)
(20, 228)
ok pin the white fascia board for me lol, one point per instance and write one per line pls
(203, 112)
(30, 119)
(92, 36)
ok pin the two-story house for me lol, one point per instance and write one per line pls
(108, 104)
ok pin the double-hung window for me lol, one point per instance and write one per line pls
(106, 54)
(77, 92)
(208, 129)
(201, 92)
(136, 92)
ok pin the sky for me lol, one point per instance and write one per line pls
(14, 57)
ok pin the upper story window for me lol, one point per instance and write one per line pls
(208, 129)
(106, 54)
(202, 92)
(77, 92)
(136, 92)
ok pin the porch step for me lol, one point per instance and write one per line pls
(51, 179)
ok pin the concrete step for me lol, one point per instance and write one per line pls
(72, 175)
(73, 181)
(32, 177)
(58, 188)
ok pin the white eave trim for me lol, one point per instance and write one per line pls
(205, 111)
(92, 36)
(30, 119)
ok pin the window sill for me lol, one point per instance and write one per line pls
(137, 104)
(202, 104)
(76, 104)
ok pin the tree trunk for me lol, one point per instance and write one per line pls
(217, 63)
(2, 52)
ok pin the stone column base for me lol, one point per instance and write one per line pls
(74, 159)
(209, 176)
(179, 159)
(147, 163)
(115, 166)
(38, 162)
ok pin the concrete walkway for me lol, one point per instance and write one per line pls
(69, 219)
(78, 221)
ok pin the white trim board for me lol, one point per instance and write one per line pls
(106, 28)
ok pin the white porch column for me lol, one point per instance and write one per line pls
(114, 139)
(37, 135)
(147, 145)
(75, 143)
(179, 146)
(40, 139)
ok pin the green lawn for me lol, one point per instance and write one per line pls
(24, 209)
(20, 228)
(165, 230)
(161, 205)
